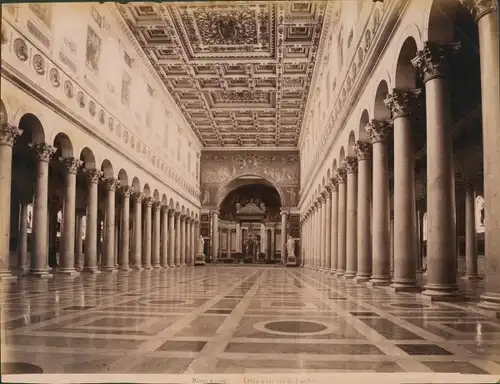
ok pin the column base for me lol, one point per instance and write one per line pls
(361, 279)
(404, 285)
(92, 271)
(379, 281)
(171, 266)
(41, 274)
(164, 266)
(69, 272)
(7, 276)
(340, 273)
(177, 265)
(349, 275)
(491, 303)
(332, 272)
(136, 267)
(109, 270)
(124, 268)
(147, 267)
(156, 266)
(442, 292)
(472, 277)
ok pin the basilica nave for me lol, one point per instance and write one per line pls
(248, 190)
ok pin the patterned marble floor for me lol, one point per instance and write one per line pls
(237, 319)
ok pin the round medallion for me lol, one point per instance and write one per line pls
(80, 97)
(55, 78)
(294, 327)
(110, 124)
(21, 49)
(125, 136)
(118, 129)
(132, 142)
(101, 116)
(68, 89)
(92, 108)
(39, 64)
(228, 29)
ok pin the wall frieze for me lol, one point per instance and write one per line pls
(25, 84)
(388, 25)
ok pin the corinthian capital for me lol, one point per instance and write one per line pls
(43, 151)
(363, 150)
(351, 164)
(434, 60)
(125, 190)
(148, 201)
(402, 102)
(71, 164)
(110, 184)
(479, 8)
(138, 196)
(341, 175)
(93, 175)
(378, 130)
(9, 134)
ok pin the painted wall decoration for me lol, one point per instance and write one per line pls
(126, 84)
(93, 52)
(43, 12)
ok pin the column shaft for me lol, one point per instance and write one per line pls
(351, 165)
(155, 257)
(470, 233)
(341, 239)
(177, 256)
(364, 271)
(39, 255)
(109, 235)
(147, 232)
(215, 236)
(124, 249)
(137, 252)
(23, 239)
(171, 239)
(93, 176)
(334, 230)
(283, 238)
(381, 262)
(164, 238)
(328, 230)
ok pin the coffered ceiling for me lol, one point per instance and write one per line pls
(240, 71)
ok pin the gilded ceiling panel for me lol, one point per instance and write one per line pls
(240, 71)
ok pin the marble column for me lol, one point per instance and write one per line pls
(364, 252)
(273, 243)
(171, 238)
(23, 264)
(351, 166)
(238, 237)
(319, 237)
(137, 243)
(215, 236)
(328, 229)
(183, 241)
(341, 233)
(164, 237)
(316, 237)
(334, 227)
(39, 256)
(402, 103)
(323, 228)
(79, 256)
(147, 233)
(283, 237)
(93, 177)
(8, 136)
(177, 256)
(124, 248)
(155, 255)
(486, 15)
(110, 185)
(381, 262)
(471, 267)
(188, 241)
(433, 62)
(193, 238)
(67, 259)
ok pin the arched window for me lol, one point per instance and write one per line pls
(480, 222)
(424, 227)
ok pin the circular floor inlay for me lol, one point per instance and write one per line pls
(409, 305)
(16, 368)
(295, 326)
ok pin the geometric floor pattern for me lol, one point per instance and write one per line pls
(236, 319)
